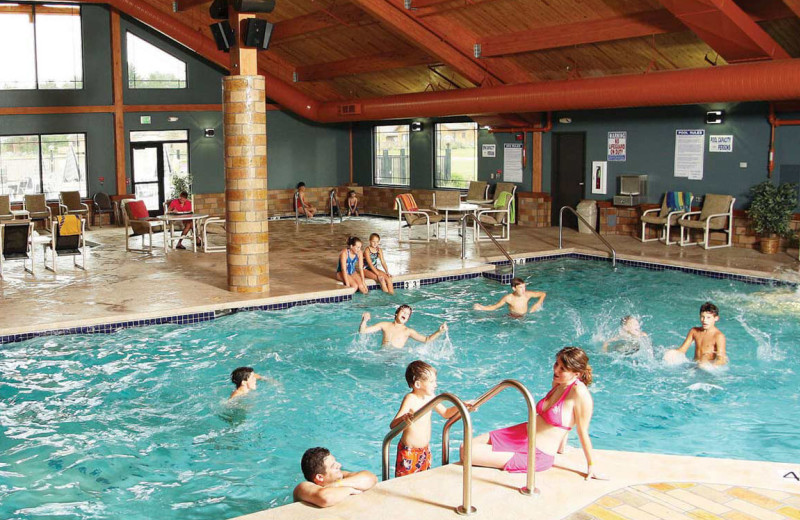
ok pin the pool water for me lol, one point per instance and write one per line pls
(137, 424)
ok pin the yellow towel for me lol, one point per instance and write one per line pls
(69, 225)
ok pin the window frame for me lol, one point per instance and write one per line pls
(41, 161)
(36, 52)
(128, 65)
(375, 156)
(436, 138)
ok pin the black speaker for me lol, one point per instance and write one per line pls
(219, 10)
(256, 33)
(223, 35)
(254, 6)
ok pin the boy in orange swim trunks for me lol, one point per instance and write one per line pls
(413, 452)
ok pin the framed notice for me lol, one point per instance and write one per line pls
(617, 146)
(488, 150)
(690, 146)
(512, 162)
(720, 143)
(599, 177)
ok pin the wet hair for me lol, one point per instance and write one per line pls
(351, 241)
(517, 281)
(404, 306)
(418, 370)
(240, 375)
(575, 359)
(351, 192)
(313, 462)
(300, 184)
(709, 307)
(624, 321)
(374, 235)
(184, 194)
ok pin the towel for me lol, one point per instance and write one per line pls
(502, 200)
(69, 225)
(408, 202)
(679, 200)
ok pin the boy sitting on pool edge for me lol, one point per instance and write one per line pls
(517, 301)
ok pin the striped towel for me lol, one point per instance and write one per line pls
(407, 202)
(69, 225)
(679, 201)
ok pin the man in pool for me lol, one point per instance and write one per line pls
(395, 333)
(326, 484)
(709, 341)
(517, 301)
(245, 380)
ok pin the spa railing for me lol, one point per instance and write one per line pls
(530, 485)
(502, 249)
(561, 232)
(331, 200)
(466, 507)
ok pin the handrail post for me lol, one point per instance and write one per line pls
(496, 243)
(603, 240)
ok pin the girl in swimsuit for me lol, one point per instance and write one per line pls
(567, 404)
(373, 262)
(350, 270)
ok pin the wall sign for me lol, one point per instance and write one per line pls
(690, 146)
(617, 146)
(720, 143)
(144, 120)
(489, 150)
(512, 162)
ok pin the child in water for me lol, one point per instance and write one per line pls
(629, 335)
(352, 203)
(709, 341)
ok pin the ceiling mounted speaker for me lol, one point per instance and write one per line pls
(223, 35)
(256, 33)
(254, 6)
(219, 10)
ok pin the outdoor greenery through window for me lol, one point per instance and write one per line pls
(46, 164)
(150, 67)
(42, 47)
(456, 154)
(391, 155)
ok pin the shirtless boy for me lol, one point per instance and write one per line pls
(413, 452)
(245, 380)
(326, 484)
(395, 333)
(709, 341)
(517, 301)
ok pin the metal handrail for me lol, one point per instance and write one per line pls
(331, 198)
(561, 230)
(530, 485)
(479, 223)
(466, 508)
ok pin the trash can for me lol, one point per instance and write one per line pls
(588, 210)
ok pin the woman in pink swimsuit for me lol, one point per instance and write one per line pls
(567, 404)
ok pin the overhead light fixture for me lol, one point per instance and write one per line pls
(209, 132)
(715, 117)
(565, 120)
(172, 119)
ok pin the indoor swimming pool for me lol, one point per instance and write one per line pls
(137, 425)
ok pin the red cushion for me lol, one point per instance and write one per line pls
(138, 209)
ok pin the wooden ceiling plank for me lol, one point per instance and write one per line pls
(319, 20)
(360, 65)
(183, 5)
(794, 5)
(727, 29)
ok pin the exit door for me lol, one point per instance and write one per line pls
(153, 167)
(569, 177)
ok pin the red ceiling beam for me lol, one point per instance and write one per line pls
(794, 5)
(183, 5)
(337, 15)
(361, 65)
(727, 29)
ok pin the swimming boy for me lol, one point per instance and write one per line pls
(709, 341)
(245, 380)
(413, 452)
(630, 331)
(517, 301)
(395, 333)
(326, 484)
(303, 207)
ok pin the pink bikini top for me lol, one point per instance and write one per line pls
(552, 415)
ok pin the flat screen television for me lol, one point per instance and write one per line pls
(633, 184)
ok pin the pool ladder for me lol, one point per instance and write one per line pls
(561, 232)
(331, 199)
(477, 221)
(466, 508)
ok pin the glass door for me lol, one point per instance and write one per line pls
(147, 169)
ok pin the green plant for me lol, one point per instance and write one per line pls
(181, 183)
(772, 207)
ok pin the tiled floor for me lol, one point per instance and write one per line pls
(119, 285)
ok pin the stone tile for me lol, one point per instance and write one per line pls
(663, 512)
(632, 499)
(753, 497)
(754, 510)
(698, 501)
(738, 515)
(700, 514)
(603, 513)
(609, 502)
(634, 513)
(667, 499)
(791, 512)
(711, 494)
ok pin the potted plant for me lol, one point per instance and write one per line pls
(771, 211)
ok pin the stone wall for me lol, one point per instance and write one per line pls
(533, 209)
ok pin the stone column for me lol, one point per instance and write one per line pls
(245, 117)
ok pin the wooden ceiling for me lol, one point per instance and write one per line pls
(346, 49)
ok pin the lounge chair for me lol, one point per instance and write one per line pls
(16, 238)
(102, 204)
(412, 215)
(478, 192)
(138, 222)
(674, 204)
(67, 239)
(37, 208)
(70, 204)
(716, 216)
(5, 208)
(501, 214)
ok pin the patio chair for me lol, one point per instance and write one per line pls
(501, 214)
(138, 222)
(716, 216)
(5, 208)
(16, 239)
(70, 204)
(67, 239)
(478, 192)
(674, 204)
(102, 204)
(412, 215)
(448, 198)
(37, 208)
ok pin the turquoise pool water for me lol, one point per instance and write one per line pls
(136, 425)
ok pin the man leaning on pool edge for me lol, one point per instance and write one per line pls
(326, 484)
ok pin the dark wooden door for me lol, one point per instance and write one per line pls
(569, 177)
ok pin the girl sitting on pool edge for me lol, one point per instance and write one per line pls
(350, 269)
(567, 404)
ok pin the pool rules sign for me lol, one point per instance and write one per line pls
(617, 146)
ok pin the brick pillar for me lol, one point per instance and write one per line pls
(245, 117)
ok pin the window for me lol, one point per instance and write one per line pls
(456, 154)
(46, 43)
(391, 155)
(46, 164)
(150, 67)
